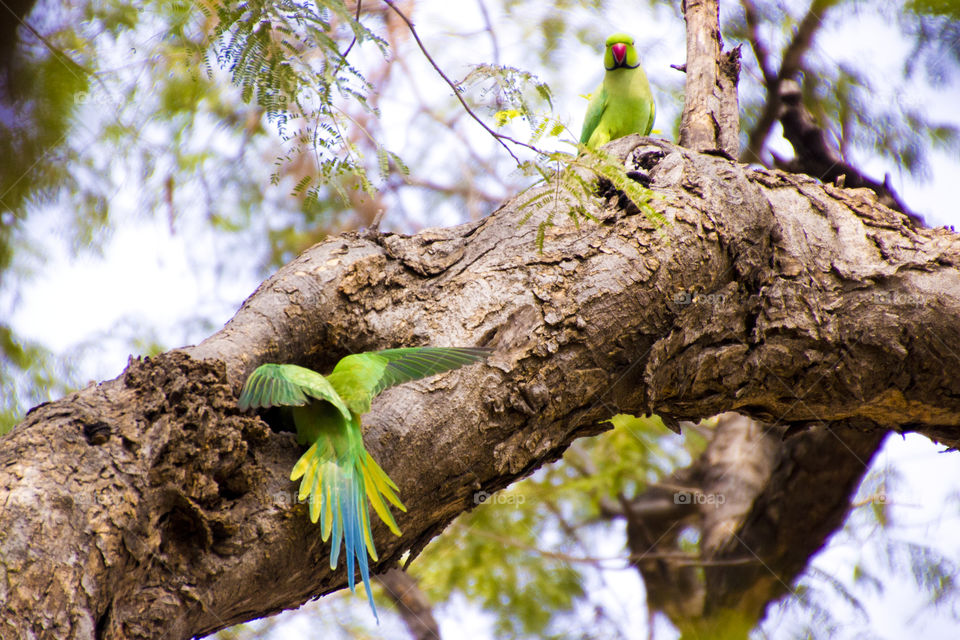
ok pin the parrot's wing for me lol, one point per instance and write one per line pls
(272, 385)
(598, 103)
(653, 115)
(361, 376)
(414, 363)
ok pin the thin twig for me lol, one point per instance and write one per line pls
(60, 53)
(340, 63)
(488, 27)
(343, 56)
(499, 137)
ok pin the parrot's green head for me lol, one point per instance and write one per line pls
(621, 54)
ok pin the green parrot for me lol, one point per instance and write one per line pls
(623, 104)
(338, 474)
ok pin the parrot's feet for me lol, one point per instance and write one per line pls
(646, 158)
(639, 176)
(671, 423)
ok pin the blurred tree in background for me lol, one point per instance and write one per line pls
(251, 131)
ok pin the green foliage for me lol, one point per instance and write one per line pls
(39, 96)
(567, 181)
(487, 556)
(286, 59)
(30, 375)
(624, 461)
(44, 103)
(944, 8)
(77, 139)
(519, 89)
(572, 181)
(285, 62)
(115, 16)
(499, 556)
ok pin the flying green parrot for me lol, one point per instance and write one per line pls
(623, 104)
(338, 474)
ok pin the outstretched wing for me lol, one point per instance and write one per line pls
(272, 385)
(359, 377)
(404, 365)
(653, 115)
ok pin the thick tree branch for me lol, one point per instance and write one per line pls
(763, 506)
(13, 14)
(806, 498)
(148, 505)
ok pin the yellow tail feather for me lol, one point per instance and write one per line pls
(301, 467)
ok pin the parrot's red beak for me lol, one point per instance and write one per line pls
(619, 51)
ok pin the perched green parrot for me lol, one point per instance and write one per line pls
(623, 104)
(338, 474)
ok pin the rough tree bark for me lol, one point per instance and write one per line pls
(148, 506)
(710, 122)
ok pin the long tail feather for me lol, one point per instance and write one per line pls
(337, 491)
(377, 483)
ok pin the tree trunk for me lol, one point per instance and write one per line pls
(149, 506)
(711, 114)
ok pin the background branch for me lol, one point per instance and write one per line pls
(815, 155)
(411, 602)
(790, 65)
